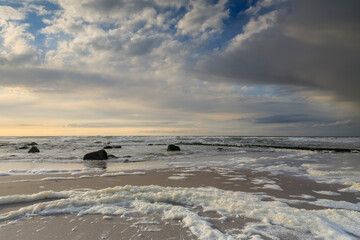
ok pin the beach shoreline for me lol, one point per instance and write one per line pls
(296, 192)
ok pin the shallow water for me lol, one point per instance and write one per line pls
(273, 154)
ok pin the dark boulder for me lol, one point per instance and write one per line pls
(32, 144)
(172, 147)
(23, 147)
(98, 155)
(108, 147)
(33, 149)
(116, 146)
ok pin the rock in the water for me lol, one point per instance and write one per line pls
(112, 156)
(33, 149)
(98, 155)
(126, 160)
(110, 147)
(32, 144)
(172, 147)
(23, 147)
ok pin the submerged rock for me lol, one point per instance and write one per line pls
(110, 147)
(23, 147)
(112, 156)
(33, 149)
(98, 155)
(32, 144)
(172, 147)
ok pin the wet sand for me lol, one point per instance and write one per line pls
(152, 227)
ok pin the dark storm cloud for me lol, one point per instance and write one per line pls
(313, 44)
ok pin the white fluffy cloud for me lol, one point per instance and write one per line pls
(9, 13)
(129, 35)
(203, 17)
(254, 26)
(15, 40)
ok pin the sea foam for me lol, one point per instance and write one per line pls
(173, 203)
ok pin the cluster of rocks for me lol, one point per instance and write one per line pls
(102, 154)
(33, 148)
(97, 155)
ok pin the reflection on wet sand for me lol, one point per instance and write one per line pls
(95, 164)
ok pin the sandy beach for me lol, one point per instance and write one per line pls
(28, 222)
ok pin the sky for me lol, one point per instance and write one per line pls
(180, 67)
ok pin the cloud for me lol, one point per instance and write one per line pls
(123, 124)
(281, 119)
(62, 81)
(143, 46)
(203, 17)
(9, 13)
(311, 44)
(140, 88)
(112, 11)
(111, 43)
(37, 9)
(15, 40)
(333, 124)
(123, 63)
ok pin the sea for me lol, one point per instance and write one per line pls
(329, 160)
(335, 159)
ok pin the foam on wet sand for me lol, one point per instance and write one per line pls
(150, 204)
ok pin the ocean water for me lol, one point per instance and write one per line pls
(324, 158)
(329, 160)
